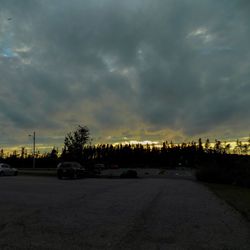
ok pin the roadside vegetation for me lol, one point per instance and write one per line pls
(237, 197)
(214, 162)
(224, 169)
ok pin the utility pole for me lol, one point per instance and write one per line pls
(34, 149)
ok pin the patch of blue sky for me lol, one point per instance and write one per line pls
(7, 52)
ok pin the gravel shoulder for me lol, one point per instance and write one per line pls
(146, 213)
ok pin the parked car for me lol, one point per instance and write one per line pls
(114, 166)
(6, 169)
(70, 170)
(129, 174)
(94, 170)
(99, 166)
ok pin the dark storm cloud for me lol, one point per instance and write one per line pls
(125, 65)
(193, 82)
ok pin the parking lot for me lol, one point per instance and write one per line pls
(99, 213)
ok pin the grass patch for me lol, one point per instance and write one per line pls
(237, 197)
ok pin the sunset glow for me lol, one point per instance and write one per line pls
(129, 70)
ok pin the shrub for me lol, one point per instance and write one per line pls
(225, 170)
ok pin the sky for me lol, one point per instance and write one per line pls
(134, 70)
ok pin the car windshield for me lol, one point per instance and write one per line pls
(70, 165)
(66, 165)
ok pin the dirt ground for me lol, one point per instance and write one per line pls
(144, 213)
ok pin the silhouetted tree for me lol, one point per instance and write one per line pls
(207, 145)
(74, 143)
(218, 147)
(1, 153)
(200, 147)
(22, 152)
(227, 148)
(54, 153)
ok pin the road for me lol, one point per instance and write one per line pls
(145, 213)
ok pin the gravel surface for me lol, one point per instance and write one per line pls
(145, 213)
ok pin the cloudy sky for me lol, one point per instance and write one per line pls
(129, 70)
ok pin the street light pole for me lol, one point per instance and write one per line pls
(34, 149)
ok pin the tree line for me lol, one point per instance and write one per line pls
(168, 155)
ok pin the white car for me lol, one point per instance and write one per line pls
(6, 169)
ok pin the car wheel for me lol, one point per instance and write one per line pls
(16, 173)
(72, 175)
(76, 175)
(59, 175)
(1, 174)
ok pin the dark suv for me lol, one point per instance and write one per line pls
(70, 170)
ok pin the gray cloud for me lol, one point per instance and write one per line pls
(122, 67)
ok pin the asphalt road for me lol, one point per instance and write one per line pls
(158, 213)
